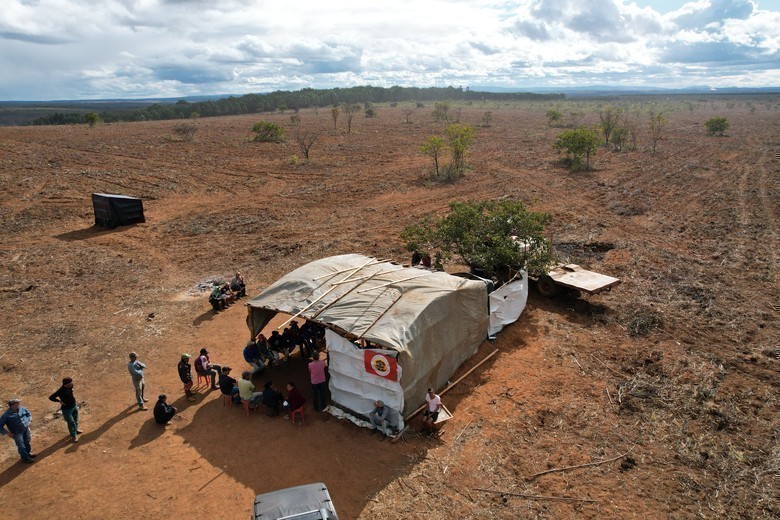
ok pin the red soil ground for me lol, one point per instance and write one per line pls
(679, 364)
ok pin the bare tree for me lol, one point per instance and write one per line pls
(334, 113)
(657, 124)
(306, 140)
(350, 109)
(408, 113)
(610, 118)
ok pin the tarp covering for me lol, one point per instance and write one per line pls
(507, 303)
(355, 389)
(117, 210)
(434, 320)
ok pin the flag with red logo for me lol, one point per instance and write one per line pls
(382, 365)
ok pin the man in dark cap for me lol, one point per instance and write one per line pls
(17, 419)
(68, 407)
(163, 412)
(185, 374)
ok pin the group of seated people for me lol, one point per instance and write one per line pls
(264, 352)
(222, 295)
(271, 398)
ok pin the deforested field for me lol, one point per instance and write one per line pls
(673, 374)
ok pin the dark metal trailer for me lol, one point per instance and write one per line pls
(117, 210)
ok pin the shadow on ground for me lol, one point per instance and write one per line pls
(269, 453)
(90, 232)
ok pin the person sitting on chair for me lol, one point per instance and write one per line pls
(204, 367)
(431, 412)
(227, 385)
(294, 400)
(267, 356)
(237, 285)
(247, 390)
(215, 298)
(278, 344)
(228, 296)
(253, 357)
(163, 412)
(272, 399)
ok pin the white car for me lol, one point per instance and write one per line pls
(307, 502)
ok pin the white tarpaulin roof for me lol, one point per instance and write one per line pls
(434, 320)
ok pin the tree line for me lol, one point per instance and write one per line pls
(282, 100)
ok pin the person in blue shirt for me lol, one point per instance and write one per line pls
(17, 421)
(254, 358)
(136, 369)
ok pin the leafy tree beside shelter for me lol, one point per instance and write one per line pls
(496, 238)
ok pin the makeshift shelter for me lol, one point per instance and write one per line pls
(117, 210)
(425, 324)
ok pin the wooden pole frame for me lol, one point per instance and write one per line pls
(353, 269)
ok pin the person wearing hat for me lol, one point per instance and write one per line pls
(185, 374)
(204, 366)
(68, 407)
(163, 412)
(17, 419)
(136, 369)
(378, 417)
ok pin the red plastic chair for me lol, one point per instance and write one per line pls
(245, 402)
(205, 377)
(227, 400)
(298, 411)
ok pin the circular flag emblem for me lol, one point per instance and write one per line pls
(380, 365)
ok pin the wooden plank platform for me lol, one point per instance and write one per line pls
(575, 277)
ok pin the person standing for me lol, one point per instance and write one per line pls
(17, 419)
(136, 369)
(163, 412)
(68, 407)
(185, 375)
(431, 413)
(318, 384)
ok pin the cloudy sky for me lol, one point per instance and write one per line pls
(97, 49)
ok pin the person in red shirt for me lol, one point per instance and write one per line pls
(318, 384)
(294, 400)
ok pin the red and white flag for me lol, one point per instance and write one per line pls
(381, 365)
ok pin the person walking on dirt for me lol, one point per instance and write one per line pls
(68, 407)
(136, 369)
(17, 419)
(185, 374)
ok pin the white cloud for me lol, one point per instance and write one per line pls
(114, 48)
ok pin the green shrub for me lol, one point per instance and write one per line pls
(268, 132)
(716, 125)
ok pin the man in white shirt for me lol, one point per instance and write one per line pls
(431, 413)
